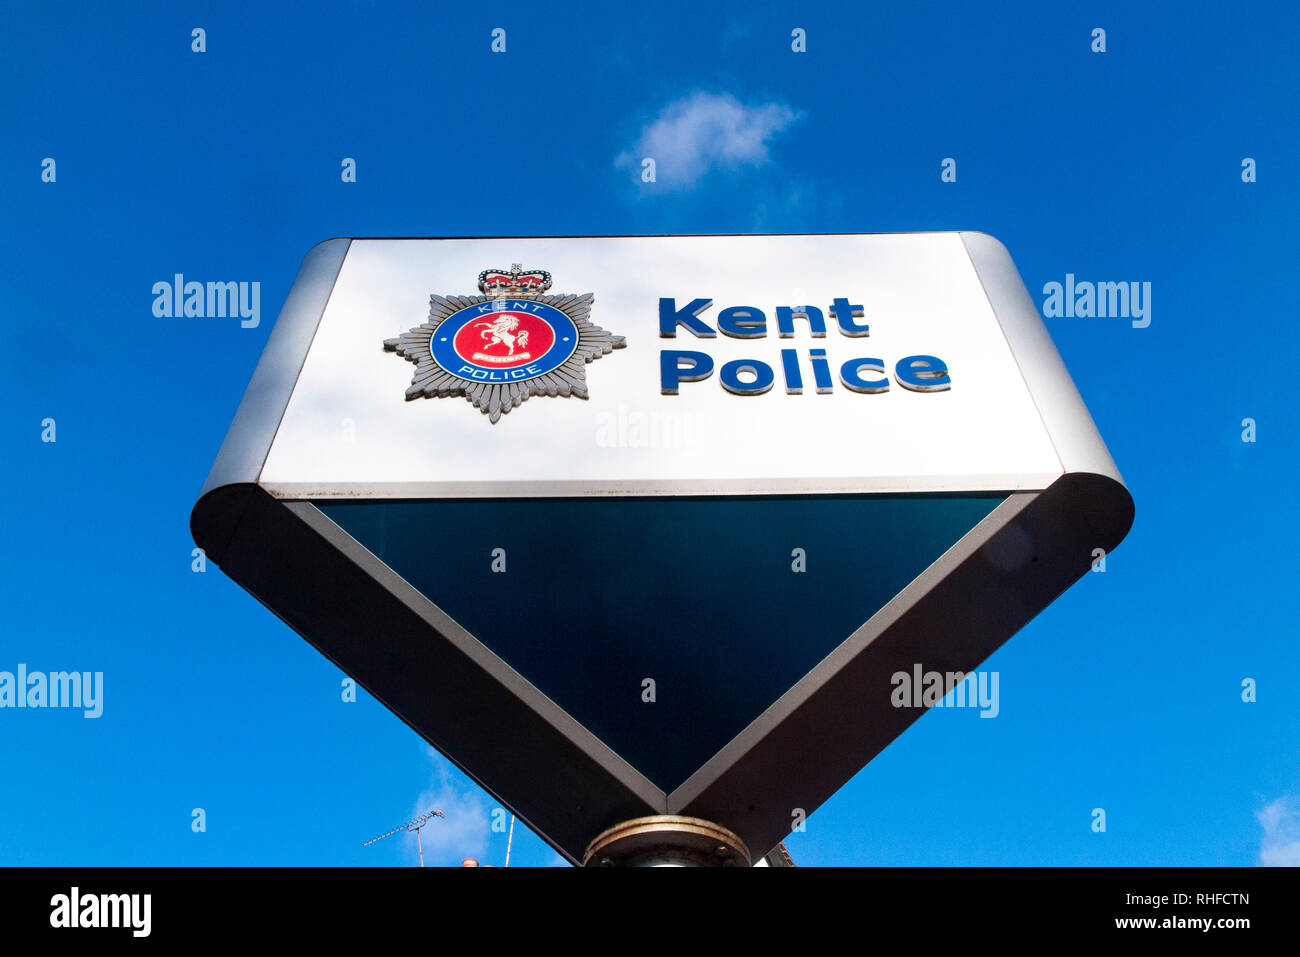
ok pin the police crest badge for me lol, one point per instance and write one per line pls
(499, 348)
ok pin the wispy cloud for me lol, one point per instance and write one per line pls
(465, 830)
(1281, 823)
(706, 131)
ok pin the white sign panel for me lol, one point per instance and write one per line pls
(855, 400)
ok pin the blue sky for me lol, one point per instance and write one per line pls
(1125, 165)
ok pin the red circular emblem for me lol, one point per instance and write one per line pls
(504, 340)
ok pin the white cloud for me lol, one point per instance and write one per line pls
(704, 131)
(466, 827)
(1281, 823)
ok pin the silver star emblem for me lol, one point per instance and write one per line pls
(433, 380)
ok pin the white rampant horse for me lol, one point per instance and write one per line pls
(501, 331)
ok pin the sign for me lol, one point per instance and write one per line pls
(669, 568)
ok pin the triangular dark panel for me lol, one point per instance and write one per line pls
(600, 594)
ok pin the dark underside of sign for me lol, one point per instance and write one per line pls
(532, 679)
(663, 625)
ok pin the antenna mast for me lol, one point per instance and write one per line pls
(417, 825)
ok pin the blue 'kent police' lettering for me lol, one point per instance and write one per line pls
(865, 375)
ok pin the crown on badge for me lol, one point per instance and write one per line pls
(498, 282)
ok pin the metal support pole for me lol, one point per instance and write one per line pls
(666, 840)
